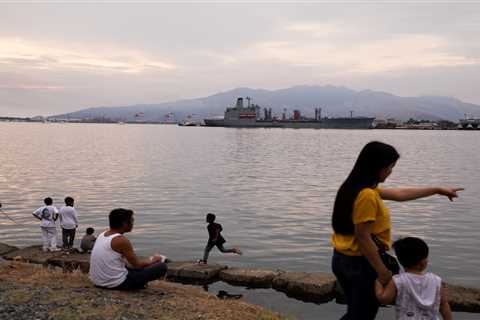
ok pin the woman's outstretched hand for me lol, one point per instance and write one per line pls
(449, 192)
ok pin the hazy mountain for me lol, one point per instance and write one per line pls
(334, 101)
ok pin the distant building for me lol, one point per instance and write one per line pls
(469, 123)
(38, 118)
(420, 126)
(390, 123)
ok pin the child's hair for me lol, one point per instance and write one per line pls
(410, 251)
(210, 217)
(90, 230)
(69, 201)
(48, 201)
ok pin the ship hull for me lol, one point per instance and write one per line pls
(326, 123)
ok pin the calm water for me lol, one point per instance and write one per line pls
(271, 189)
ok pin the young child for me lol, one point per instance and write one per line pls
(215, 239)
(88, 240)
(417, 294)
(68, 222)
(47, 215)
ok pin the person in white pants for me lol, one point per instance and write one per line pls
(47, 215)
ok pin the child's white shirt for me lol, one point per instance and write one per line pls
(418, 296)
(46, 215)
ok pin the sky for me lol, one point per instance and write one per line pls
(63, 56)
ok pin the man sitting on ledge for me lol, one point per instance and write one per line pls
(107, 262)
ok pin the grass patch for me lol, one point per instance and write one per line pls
(19, 296)
(72, 296)
(272, 316)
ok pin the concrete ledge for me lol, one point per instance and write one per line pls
(312, 287)
(32, 254)
(5, 248)
(253, 278)
(191, 272)
(463, 299)
(71, 262)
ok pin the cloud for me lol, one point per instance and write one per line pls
(396, 53)
(20, 53)
(315, 29)
(408, 52)
(30, 87)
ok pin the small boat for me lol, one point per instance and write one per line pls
(188, 124)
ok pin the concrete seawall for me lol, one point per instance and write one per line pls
(314, 287)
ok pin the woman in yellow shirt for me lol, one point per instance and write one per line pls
(359, 214)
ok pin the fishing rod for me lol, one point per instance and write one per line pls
(6, 215)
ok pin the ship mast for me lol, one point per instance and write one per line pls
(248, 101)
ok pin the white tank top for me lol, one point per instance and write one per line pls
(107, 267)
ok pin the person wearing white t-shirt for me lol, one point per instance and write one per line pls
(47, 215)
(418, 295)
(68, 222)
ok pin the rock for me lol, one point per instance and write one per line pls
(71, 262)
(463, 299)
(313, 287)
(5, 248)
(191, 272)
(3, 262)
(32, 254)
(253, 278)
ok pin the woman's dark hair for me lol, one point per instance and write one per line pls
(120, 217)
(210, 217)
(410, 251)
(374, 157)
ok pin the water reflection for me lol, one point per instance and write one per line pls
(271, 189)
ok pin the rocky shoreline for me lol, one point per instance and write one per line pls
(30, 291)
(313, 287)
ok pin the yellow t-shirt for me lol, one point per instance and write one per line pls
(368, 206)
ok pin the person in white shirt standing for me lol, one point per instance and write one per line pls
(47, 215)
(68, 222)
(417, 294)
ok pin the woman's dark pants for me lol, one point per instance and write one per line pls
(357, 279)
(138, 278)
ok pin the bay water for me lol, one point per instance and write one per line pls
(271, 189)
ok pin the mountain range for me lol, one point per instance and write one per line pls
(334, 101)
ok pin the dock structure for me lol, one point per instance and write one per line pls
(469, 124)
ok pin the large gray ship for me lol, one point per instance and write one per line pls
(249, 116)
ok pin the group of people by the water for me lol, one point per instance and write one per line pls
(111, 251)
(48, 215)
(108, 268)
(362, 237)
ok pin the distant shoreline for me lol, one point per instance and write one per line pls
(413, 126)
